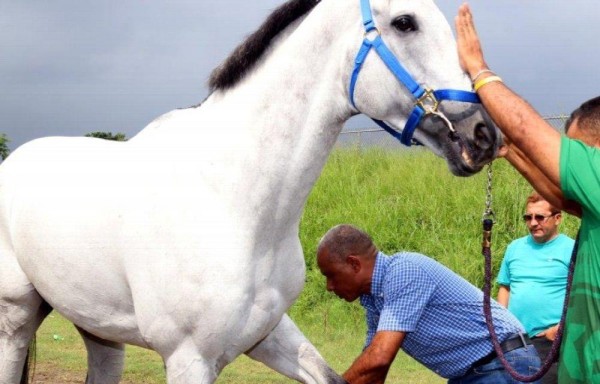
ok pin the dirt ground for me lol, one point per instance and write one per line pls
(49, 374)
(57, 377)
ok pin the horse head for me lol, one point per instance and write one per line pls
(407, 74)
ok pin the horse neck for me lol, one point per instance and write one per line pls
(288, 114)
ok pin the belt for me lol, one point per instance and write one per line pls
(516, 341)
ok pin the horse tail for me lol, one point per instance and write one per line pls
(29, 366)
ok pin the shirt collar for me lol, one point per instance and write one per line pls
(536, 244)
(381, 263)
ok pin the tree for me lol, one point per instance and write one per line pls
(108, 136)
(4, 151)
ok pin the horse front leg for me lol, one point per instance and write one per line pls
(106, 359)
(187, 366)
(289, 352)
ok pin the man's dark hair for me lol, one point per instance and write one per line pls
(344, 240)
(588, 118)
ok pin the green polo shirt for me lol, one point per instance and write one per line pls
(580, 182)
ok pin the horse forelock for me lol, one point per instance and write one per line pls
(245, 56)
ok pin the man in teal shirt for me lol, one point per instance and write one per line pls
(533, 276)
(566, 171)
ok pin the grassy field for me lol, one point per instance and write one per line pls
(61, 358)
(407, 200)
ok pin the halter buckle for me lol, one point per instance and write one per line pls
(371, 34)
(428, 102)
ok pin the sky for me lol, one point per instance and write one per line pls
(70, 67)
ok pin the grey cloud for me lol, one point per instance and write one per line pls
(69, 67)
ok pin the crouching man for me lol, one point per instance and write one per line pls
(417, 304)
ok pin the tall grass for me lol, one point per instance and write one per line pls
(406, 200)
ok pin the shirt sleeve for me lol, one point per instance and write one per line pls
(407, 290)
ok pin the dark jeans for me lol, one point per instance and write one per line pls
(543, 347)
(524, 361)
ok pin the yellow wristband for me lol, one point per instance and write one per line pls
(485, 81)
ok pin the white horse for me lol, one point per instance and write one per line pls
(185, 240)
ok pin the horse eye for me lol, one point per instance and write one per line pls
(405, 24)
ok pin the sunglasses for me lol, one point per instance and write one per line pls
(538, 218)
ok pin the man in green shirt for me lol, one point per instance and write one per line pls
(566, 171)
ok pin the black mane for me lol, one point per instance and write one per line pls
(245, 56)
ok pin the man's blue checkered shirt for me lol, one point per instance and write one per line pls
(440, 312)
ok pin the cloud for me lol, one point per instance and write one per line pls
(70, 67)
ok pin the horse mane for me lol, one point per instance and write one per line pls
(245, 56)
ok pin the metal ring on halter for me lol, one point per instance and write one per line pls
(429, 103)
(374, 30)
(432, 105)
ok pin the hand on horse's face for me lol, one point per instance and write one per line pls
(503, 151)
(504, 147)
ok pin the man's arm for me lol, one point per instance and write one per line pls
(372, 366)
(514, 116)
(550, 191)
(503, 295)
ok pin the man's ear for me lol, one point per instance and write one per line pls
(354, 262)
(558, 218)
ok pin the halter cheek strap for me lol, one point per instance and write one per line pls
(427, 100)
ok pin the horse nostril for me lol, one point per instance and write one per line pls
(483, 136)
(484, 141)
(479, 131)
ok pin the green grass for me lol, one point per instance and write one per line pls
(59, 348)
(406, 200)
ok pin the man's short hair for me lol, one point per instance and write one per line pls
(588, 118)
(344, 240)
(534, 197)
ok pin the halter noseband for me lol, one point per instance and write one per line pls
(427, 100)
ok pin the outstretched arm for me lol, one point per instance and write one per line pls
(530, 133)
(372, 366)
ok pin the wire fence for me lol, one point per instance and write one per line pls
(377, 137)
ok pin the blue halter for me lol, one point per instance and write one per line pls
(427, 100)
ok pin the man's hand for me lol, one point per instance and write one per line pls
(505, 147)
(549, 333)
(470, 53)
(372, 366)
